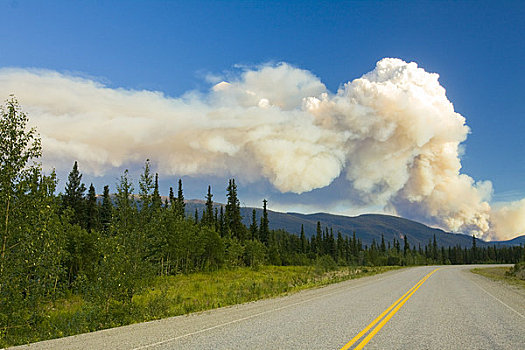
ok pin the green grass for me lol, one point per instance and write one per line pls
(500, 274)
(177, 295)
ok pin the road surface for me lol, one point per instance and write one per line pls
(444, 307)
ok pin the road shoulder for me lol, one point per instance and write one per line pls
(510, 295)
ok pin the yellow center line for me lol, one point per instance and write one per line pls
(395, 306)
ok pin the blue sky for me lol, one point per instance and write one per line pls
(476, 47)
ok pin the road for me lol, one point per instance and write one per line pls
(450, 308)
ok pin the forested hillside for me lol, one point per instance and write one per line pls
(104, 252)
(367, 227)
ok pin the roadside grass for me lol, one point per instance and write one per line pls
(168, 296)
(500, 274)
(178, 295)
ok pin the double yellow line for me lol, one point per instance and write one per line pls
(391, 311)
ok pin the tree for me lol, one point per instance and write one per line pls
(106, 210)
(92, 219)
(18, 147)
(208, 218)
(156, 201)
(303, 240)
(233, 212)
(254, 230)
(31, 230)
(172, 198)
(319, 239)
(264, 229)
(74, 196)
(474, 249)
(180, 206)
(434, 249)
(146, 185)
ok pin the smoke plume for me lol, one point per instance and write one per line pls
(392, 134)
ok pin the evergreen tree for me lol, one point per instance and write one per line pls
(340, 246)
(216, 220)
(172, 198)
(74, 196)
(254, 230)
(319, 239)
(156, 201)
(233, 212)
(208, 218)
(383, 246)
(304, 242)
(106, 210)
(435, 249)
(92, 210)
(264, 228)
(406, 246)
(222, 223)
(146, 185)
(354, 245)
(180, 207)
(474, 249)
(332, 249)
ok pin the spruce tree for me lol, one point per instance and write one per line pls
(180, 207)
(264, 228)
(233, 212)
(172, 198)
(474, 249)
(319, 239)
(406, 247)
(156, 201)
(332, 249)
(222, 223)
(340, 246)
(303, 240)
(208, 218)
(92, 219)
(254, 230)
(216, 220)
(146, 185)
(434, 249)
(74, 196)
(106, 209)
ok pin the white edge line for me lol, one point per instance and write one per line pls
(252, 316)
(509, 307)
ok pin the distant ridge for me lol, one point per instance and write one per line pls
(367, 227)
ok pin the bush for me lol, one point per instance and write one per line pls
(325, 263)
(518, 271)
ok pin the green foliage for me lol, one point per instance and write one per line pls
(254, 253)
(233, 216)
(73, 198)
(92, 210)
(106, 210)
(325, 263)
(68, 265)
(518, 271)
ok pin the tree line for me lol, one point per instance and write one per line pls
(106, 249)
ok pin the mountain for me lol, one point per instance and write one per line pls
(366, 227)
(520, 240)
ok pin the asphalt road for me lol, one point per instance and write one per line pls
(450, 308)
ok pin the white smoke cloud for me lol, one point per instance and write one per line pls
(392, 133)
